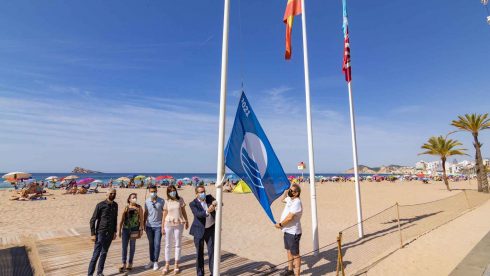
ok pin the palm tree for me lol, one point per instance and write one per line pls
(444, 148)
(475, 123)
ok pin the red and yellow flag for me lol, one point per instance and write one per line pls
(293, 8)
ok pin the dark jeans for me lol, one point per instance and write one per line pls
(126, 239)
(199, 243)
(154, 235)
(102, 243)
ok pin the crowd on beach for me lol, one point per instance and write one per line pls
(159, 217)
(36, 190)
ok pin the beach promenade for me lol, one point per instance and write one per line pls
(69, 255)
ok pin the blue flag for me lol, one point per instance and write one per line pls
(250, 155)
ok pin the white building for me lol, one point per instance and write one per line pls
(421, 165)
(434, 167)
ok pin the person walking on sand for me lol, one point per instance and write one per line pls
(130, 229)
(204, 210)
(290, 224)
(174, 220)
(153, 222)
(103, 228)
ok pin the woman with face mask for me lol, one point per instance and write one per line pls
(174, 220)
(130, 229)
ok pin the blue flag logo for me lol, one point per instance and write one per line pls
(250, 155)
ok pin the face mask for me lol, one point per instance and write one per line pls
(112, 197)
(134, 200)
(172, 194)
(202, 196)
(153, 195)
(290, 193)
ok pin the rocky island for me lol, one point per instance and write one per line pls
(390, 169)
(79, 170)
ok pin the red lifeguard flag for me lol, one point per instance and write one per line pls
(293, 8)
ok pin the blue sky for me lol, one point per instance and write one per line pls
(134, 85)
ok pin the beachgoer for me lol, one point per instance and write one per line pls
(290, 224)
(130, 229)
(204, 210)
(174, 220)
(103, 227)
(153, 222)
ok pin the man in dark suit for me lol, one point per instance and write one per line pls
(204, 210)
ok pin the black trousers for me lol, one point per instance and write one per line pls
(102, 243)
(208, 237)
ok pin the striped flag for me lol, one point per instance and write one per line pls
(346, 64)
(293, 8)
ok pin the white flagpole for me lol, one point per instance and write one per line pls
(311, 161)
(356, 165)
(221, 141)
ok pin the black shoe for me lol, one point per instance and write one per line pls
(287, 272)
(100, 274)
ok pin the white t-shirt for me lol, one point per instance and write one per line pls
(209, 217)
(295, 207)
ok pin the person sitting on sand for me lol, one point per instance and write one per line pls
(228, 188)
(21, 195)
(82, 190)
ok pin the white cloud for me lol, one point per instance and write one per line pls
(155, 134)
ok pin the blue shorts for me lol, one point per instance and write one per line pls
(291, 243)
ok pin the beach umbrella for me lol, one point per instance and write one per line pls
(52, 179)
(159, 178)
(98, 181)
(139, 177)
(85, 181)
(71, 177)
(123, 179)
(16, 175)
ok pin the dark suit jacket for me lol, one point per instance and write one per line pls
(199, 224)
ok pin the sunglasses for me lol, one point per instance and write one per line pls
(154, 206)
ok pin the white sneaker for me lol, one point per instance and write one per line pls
(149, 265)
(155, 266)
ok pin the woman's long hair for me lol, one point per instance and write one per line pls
(172, 188)
(129, 197)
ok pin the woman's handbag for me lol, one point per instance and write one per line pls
(135, 235)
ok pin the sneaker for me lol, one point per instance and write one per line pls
(149, 265)
(155, 266)
(287, 272)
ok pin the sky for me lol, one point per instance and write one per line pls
(133, 86)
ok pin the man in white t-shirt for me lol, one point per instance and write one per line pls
(290, 224)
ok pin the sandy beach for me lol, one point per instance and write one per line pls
(246, 229)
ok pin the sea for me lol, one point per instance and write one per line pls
(105, 177)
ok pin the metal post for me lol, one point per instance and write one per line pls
(399, 225)
(356, 165)
(221, 141)
(311, 161)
